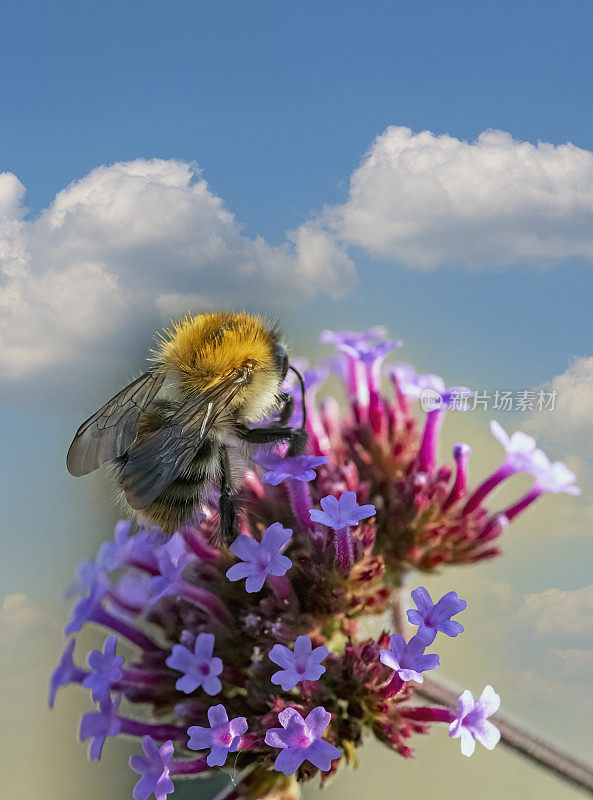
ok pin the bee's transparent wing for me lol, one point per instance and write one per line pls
(158, 458)
(111, 430)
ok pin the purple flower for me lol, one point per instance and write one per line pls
(133, 590)
(260, 559)
(222, 737)
(84, 610)
(86, 576)
(521, 452)
(127, 548)
(300, 740)
(153, 766)
(368, 353)
(98, 725)
(66, 672)
(430, 388)
(199, 667)
(351, 338)
(555, 478)
(431, 617)
(172, 559)
(341, 513)
(303, 664)
(408, 660)
(472, 723)
(106, 669)
(300, 468)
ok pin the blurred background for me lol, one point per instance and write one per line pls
(339, 165)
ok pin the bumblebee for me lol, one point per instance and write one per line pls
(169, 441)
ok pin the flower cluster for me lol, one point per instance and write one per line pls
(254, 658)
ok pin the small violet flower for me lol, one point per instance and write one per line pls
(153, 766)
(472, 723)
(260, 559)
(86, 576)
(199, 667)
(341, 513)
(66, 672)
(430, 388)
(408, 660)
(300, 468)
(432, 617)
(101, 724)
(85, 609)
(172, 559)
(302, 664)
(555, 478)
(352, 338)
(106, 669)
(300, 740)
(521, 452)
(222, 737)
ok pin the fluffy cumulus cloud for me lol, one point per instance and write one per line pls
(569, 424)
(427, 201)
(551, 615)
(131, 242)
(123, 248)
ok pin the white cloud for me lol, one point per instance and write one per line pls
(569, 424)
(553, 614)
(427, 201)
(127, 245)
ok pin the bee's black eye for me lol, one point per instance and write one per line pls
(281, 361)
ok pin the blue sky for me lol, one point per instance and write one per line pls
(277, 104)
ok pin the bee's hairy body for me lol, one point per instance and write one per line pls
(176, 505)
(224, 371)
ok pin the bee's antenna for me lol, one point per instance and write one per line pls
(302, 382)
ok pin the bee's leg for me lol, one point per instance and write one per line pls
(287, 408)
(227, 507)
(296, 437)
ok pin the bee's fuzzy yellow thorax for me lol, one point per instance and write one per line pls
(202, 348)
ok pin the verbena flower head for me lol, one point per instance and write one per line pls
(153, 767)
(260, 559)
(270, 630)
(300, 740)
(222, 737)
(434, 617)
(302, 664)
(471, 722)
(199, 667)
(106, 669)
(408, 660)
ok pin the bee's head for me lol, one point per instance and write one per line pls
(204, 348)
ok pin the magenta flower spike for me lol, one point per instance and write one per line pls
(300, 740)
(471, 723)
(367, 504)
